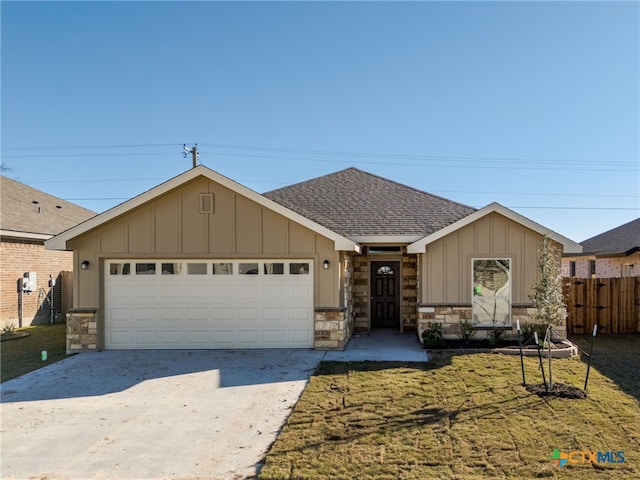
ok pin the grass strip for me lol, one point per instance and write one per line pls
(458, 417)
(23, 355)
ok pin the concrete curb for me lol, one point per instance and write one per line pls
(567, 350)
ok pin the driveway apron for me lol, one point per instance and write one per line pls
(150, 414)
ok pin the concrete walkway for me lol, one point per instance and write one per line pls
(381, 346)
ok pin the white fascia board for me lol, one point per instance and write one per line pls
(25, 235)
(59, 242)
(386, 239)
(569, 246)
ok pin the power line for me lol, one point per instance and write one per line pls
(460, 165)
(509, 161)
(90, 147)
(410, 156)
(58, 155)
(244, 181)
(513, 207)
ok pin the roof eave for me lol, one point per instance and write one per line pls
(386, 239)
(569, 246)
(25, 235)
(60, 241)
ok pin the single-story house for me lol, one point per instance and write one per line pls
(201, 261)
(612, 254)
(28, 217)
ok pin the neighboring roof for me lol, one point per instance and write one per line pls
(624, 239)
(364, 207)
(29, 213)
(568, 245)
(60, 241)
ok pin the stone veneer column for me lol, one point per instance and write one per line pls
(331, 330)
(409, 291)
(360, 297)
(82, 330)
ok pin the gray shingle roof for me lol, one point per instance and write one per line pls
(51, 215)
(352, 202)
(622, 239)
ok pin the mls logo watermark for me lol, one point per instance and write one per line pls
(585, 456)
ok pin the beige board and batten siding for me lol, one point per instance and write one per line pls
(446, 278)
(172, 226)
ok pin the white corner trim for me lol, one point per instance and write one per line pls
(569, 246)
(59, 242)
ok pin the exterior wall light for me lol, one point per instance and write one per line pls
(85, 265)
(325, 264)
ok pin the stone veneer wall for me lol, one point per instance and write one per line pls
(332, 330)
(450, 317)
(409, 291)
(360, 295)
(360, 298)
(348, 294)
(82, 330)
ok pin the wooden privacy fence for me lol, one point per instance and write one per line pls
(611, 303)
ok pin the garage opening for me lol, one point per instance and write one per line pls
(208, 304)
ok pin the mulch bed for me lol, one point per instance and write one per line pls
(473, 344)
(557, 390)
(13, 336)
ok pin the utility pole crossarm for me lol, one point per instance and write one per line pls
(193, 151)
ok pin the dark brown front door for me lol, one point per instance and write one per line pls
(385, 294)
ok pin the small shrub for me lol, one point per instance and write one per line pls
(528, 329)
(9, 329)
(496, 335)
(467, 330)
(432, 336)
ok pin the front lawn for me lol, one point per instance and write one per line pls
(23, 355)
(462, 417)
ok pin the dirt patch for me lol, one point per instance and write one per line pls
(559, 390)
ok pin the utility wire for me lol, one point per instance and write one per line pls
(243, 181)
(550, 163)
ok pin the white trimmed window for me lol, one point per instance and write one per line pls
(491, 291)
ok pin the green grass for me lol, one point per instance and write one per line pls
(23, 355)
(462, 417)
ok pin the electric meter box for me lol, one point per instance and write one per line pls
(29, 282)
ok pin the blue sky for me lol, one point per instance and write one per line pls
(533, 105)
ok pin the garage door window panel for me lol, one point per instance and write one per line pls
(196, 268)
(274, 268)
(171, 268)
(145, 268)
(248, 268)
(119, 269)
(222, 268)
(299, 268)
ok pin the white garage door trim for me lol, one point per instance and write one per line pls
(208, 304)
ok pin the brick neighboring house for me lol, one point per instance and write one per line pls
(612, 254)
(28, 217)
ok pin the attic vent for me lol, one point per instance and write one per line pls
(206, 203)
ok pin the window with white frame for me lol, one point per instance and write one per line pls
(491, 292)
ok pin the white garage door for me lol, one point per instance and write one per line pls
(173, 304)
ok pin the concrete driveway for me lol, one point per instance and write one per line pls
(150, 414)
